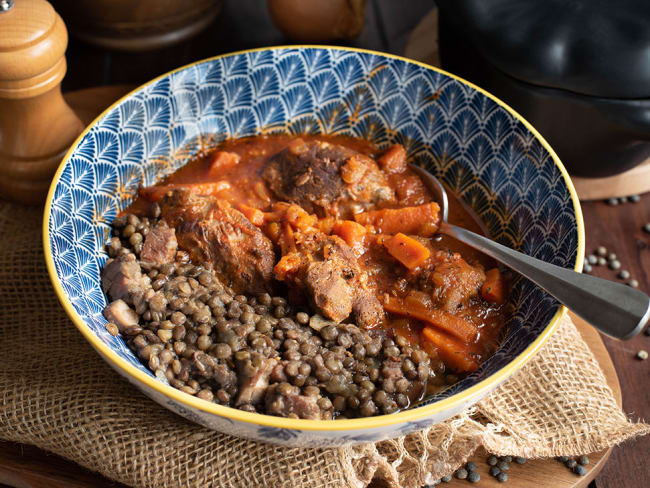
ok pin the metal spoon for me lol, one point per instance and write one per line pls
(615, 309)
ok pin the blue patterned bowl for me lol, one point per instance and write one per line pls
(492, 158)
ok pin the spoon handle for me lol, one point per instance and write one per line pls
(615, 309)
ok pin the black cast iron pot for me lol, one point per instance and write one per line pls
(578, 70)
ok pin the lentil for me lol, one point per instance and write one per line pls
(112, 328)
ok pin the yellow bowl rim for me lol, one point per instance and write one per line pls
(467, 396)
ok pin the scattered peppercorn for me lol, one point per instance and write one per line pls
(601, 251)
(591, 259)
(633, 283)
(507, 459)
(614, 264)
(461, 473)
(583, 460)
(570, 463)
(642, 355)
(580, 470)
(562, 459)
(646, 227)
(602, 261)
(492, 460)
(446, 479)
(502, 477)
(586, 268)
(520, 460)
(624, 274)
(635, 198)
(474, 477)
(503, 466)
(494, 471)
(622, 200)
(647, 331)
(470, 466)
(612, 201)
(612, 256)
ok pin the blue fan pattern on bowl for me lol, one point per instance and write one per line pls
(484, 154)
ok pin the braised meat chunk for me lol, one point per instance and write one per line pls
(453, 280)
(317, 174)
(160, 245)
(217, 235)
(329, 271)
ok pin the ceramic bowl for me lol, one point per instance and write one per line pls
(485, 152)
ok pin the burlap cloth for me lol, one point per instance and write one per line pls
(60, 396)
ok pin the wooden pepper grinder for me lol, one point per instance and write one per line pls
(36, 124)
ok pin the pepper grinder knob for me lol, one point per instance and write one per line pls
(36, 124)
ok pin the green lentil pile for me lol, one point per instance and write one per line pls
(257, 353)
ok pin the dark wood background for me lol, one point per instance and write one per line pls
(246, 24)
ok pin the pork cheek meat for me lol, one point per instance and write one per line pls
(316, 174)
(219, 236)
(326, 268)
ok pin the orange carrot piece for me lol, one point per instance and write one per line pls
(455, 326)
(255, 215)
(212, 188)
(421, 220)
(350, 232)
(288, 264)
(407, 250)
(222, 161)
(454, 353)
(493, 289)
(394, 159)
(288, 240)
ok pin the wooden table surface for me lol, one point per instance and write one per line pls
(246, 24)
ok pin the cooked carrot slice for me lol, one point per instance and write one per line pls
(255, 215)
(221, 161)
(493, 289)
(407, 250)
(394, 159)
(421, 220)
(349, 231)
(455, 326)
(156, 193)
(454, 353)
